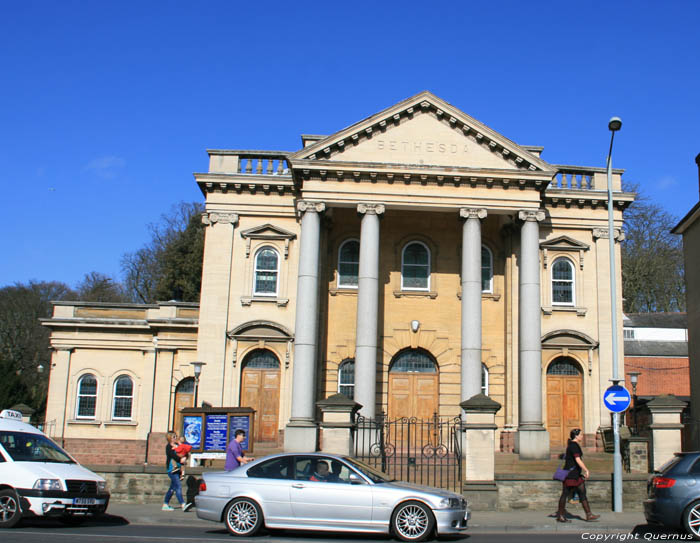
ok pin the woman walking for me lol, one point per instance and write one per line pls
(576, 480)
(173, 466)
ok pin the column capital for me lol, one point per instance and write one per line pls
(531, 215)
(211, 218)
(472, 213)
(314, 207)
(370, 209)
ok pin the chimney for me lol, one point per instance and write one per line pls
(697, 161)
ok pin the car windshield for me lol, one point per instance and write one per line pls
(26, 447)
(371, 473)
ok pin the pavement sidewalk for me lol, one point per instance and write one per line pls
(481, 522)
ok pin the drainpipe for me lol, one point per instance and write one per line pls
(153, 396)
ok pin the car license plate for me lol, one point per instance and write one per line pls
(84, 501)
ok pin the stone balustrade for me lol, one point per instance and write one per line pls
(573, 179)
(262, 163)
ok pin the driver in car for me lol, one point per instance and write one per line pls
(322, 473)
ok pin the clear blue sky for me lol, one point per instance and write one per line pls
(107, 108)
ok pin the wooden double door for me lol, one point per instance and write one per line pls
(260, 389)
(564, 402)
(413, 395)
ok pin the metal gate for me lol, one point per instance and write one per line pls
(419, 451)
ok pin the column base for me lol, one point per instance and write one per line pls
(301, 436)
(533, 444)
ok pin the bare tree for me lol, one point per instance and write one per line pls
(98, 287)
(652, 259)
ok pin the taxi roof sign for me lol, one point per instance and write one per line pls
(11, 414)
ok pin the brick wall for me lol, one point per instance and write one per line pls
(106, 451)
(660, 375)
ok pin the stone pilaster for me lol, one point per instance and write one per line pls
(215, 302)
(471, 301)
(301, 432)
(367, 309)
(533, 439)
(478, 446)
(338, 416)
(665, 428)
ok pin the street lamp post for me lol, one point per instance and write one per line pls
(197, 370)
(614, 125)
(634, 376)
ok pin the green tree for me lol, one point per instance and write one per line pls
(24, 342)
(652, 259)
(169, 266)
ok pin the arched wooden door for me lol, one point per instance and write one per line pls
(260, 389)
(184, 397)
(413, 385)
(564, 400)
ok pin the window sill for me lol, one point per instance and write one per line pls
(248, 300)
(580, 311)
(87, 422)
(485, 296)
(415, 294)
(121, 423)
(343, 291)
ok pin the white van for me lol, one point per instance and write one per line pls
(38, 478)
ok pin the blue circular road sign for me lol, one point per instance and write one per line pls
(616, 398)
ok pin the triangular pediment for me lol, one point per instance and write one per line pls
(564, 243)
(422, 130)
(267, 231)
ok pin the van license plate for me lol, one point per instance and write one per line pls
(84, 501)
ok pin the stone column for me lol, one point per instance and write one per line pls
(533, 439)
(301, 432)
(367, 310)
(471, 301)
(478, 452)
(665, 428)
(338, 417)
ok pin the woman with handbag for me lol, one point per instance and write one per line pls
(576, 479)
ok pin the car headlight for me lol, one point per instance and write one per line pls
(48, 484)
(102, 486)
(451, 503)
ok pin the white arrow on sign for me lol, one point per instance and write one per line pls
(611, 398)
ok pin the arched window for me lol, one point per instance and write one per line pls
(563, 366)
(346, 378)
(123, 398)
(87, 397)
(415, 267)
(186, 386)
(484, 380)
(261, 359)
(562, 282)
(348, 264)
(486, 270)
(413, 361)
(266, 272)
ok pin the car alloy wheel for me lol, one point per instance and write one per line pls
(691, 519)
(243, 517)
(412, 521)
(10, 512)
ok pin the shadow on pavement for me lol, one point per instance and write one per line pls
(657, 530)
(54, 523)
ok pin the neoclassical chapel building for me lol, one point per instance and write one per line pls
(409, 261)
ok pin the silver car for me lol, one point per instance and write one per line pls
(318, 491)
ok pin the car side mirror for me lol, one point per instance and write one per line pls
(355, 479)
